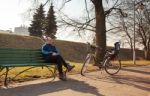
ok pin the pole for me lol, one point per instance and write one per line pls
(134, 53)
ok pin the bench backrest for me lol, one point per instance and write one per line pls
(20, 57)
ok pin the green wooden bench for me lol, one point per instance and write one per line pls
(13, 57)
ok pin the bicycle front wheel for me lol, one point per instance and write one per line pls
(112, 66)
(85, 65)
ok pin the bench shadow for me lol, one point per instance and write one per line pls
(50, 87)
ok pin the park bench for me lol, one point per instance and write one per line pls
(16, 57)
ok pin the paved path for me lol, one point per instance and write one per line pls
(131, 81)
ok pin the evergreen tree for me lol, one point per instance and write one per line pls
(51, 27)
(37, 26)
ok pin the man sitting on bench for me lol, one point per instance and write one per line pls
(52, 55)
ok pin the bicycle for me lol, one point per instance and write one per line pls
(111, 62)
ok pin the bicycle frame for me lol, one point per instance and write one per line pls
(107, 62)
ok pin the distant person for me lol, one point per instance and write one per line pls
(52, 55)
(115, 50)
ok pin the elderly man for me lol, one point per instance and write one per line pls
(52, 55)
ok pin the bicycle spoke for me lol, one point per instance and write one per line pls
(112, 66)
(86, 65)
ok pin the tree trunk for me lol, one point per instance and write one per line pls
(147, 53)
(100, 30)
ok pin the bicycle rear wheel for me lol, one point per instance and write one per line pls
(85, 65)
(112, 66)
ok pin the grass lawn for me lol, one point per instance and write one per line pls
(40, 72)
(138, 62)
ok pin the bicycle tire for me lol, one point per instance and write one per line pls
(85, 65)
(112, 67)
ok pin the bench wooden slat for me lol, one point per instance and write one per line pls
(26, 64)
(19, 56)
(9, 56)
(14, 57)
(18, 49)
(21, 59)
(20, 52)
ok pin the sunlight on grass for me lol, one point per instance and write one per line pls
(40, 72)
(138, 62)
(78, 67)
(37, 72)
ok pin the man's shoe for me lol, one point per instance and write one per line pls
(70, 68)
(62, 77)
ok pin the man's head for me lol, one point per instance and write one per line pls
(48, 40)
(117, 45)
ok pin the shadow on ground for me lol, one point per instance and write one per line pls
(137, 71)
(49, 87)
(138, 82)
(140, 79)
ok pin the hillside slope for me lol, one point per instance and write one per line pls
(17, 41)
(71, 51)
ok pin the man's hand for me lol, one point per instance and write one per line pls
(54, 53)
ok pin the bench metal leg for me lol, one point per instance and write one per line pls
(22, 72)
(5, 82)
(4, 73)
(55, 69)
(1, 69)
(52, 73)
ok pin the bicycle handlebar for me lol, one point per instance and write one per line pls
(90, 46)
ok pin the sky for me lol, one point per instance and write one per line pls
(14, 14)
(13, 11)
(11, 14)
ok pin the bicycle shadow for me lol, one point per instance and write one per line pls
(50, 87)
(140, 82)
(136, 71)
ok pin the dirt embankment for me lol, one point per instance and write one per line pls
(72, 51)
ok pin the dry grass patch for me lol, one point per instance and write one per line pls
(40, 73)
(138, 62)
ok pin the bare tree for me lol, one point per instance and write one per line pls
(141, 19)
(96, 24)
(143, 29)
